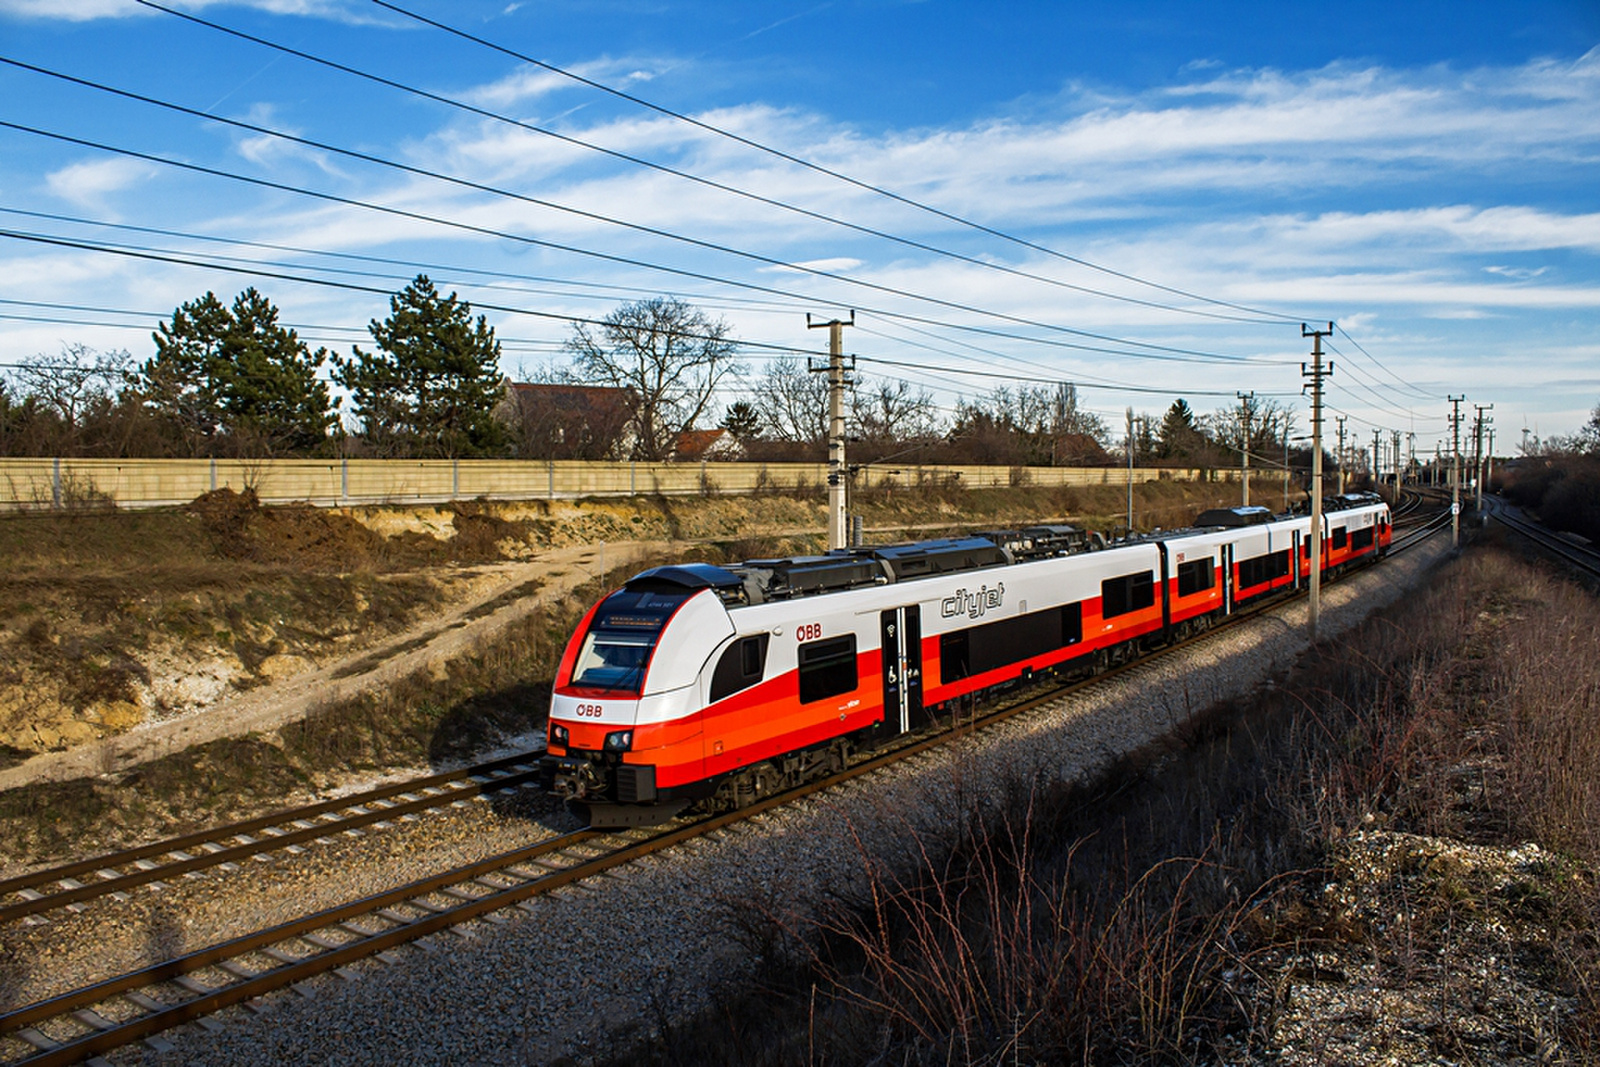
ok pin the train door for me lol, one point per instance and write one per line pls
(1227, 579)
(902, 669)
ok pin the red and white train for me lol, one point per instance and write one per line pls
(733, 681)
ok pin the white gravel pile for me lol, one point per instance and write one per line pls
(572, 974)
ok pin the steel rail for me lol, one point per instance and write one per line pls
(403, 929)
(1585, 560)
(496, 897)
(47, 889)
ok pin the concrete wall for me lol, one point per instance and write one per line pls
(135, 483)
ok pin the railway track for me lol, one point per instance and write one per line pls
(1584, 560)
(140, 1003)
(73, 885)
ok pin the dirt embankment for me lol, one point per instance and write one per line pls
(115, 621)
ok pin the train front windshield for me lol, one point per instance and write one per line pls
(617, 648)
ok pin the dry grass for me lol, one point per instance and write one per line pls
(498, 691)
(1164, 915)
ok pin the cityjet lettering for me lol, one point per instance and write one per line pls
(973, 604)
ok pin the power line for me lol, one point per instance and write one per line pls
(990, 374)
(434, 269)
(1146, 349)
(1051, 373)
(348, 286)
(1421, 393)
(695, 178)
(820, 169)
(1377, 400)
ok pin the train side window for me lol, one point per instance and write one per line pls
(740, 667)
(963, 653)
(1361, 539)
(1341, 536)
(1119, 596)
(1259, 569)
(955, 656)
(827, 668)
(1195, 576)
(1071, 624)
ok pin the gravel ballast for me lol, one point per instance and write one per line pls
(572, 974)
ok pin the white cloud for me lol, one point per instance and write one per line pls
(88, 10)
(71, 10)
(532, 83)
(91, 184)
(835, 265)
(1516, 273)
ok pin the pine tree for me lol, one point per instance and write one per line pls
(742, 421)
(1179, 435)
(431, 387)
(235, 378)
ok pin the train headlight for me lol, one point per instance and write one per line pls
(558, 734)
(619, 741)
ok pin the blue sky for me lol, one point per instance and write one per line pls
(1426, 175)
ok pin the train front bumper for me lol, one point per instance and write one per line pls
(582, 778)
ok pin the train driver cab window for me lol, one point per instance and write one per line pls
(618, 646)
(1341, 536)
(740, 667)
(827, 668)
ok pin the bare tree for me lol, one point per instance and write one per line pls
(1270, 422)
(669, 354)
(1039, 424)
(791, 402)
(74, 381)
(885, 414)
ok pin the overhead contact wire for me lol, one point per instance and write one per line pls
(820, 169)
(695, 178)
(1179, 355)
(593, 216)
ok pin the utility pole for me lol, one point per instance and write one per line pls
(1437, 462)
(1455, 470)
(1488, 459)
(1340, 420)
(1245, 401)
(1286, 466)
(1130, 471)
(1477, 450)
(1316, 374)
(1377, 459)
(1398, 478)
(838, 473)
